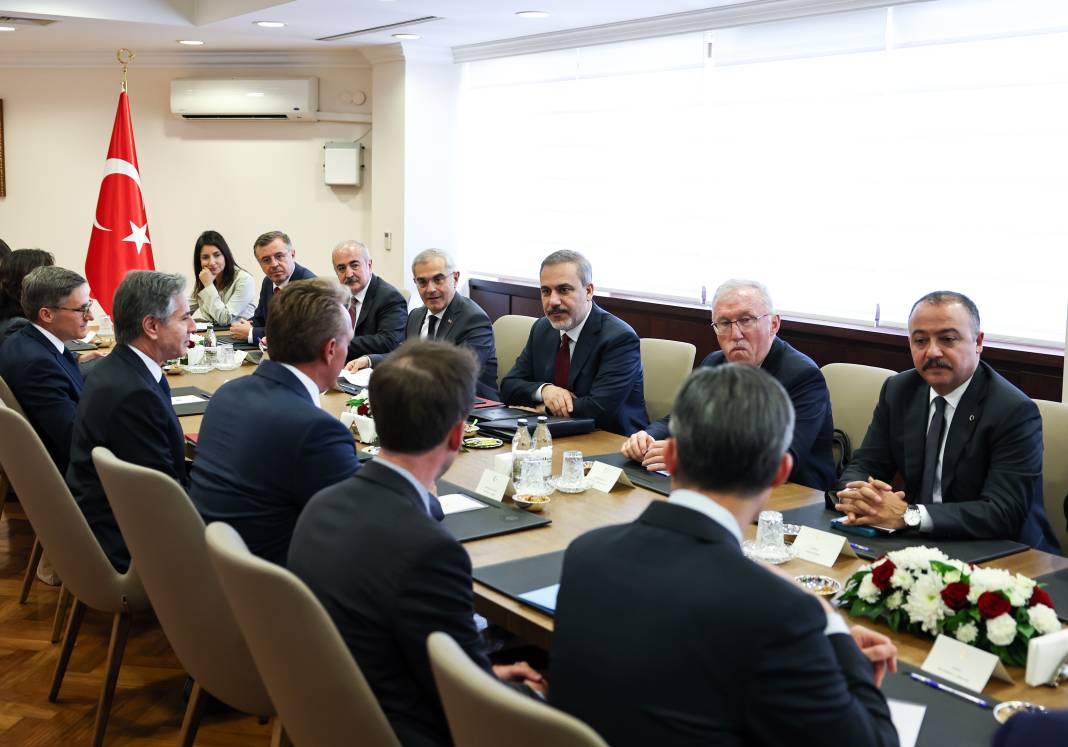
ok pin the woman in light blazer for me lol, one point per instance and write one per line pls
(224, 292)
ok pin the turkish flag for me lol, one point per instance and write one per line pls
(119, 241)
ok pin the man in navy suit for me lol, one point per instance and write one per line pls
(666, 634)
(448, 316)
(265, 446)
(376, 309)
(126, 403)
(372, 550)
(44, 375)
(579, 360)
(1033, 730)
(278, 260)
(746, 327)
(967, 443)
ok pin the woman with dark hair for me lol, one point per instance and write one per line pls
(15, 267)
(223, 292)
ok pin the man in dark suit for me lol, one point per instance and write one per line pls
(746, 327)
(967, 443)
(373, 552)
(126, 403)
(1033, 730)
(579, 360)
(278, 260)
(265, 448)
(44, 375)
(666, 634)
(448, 316)
(376, 309)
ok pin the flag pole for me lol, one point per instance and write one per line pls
(125, 57)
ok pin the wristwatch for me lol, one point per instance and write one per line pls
(912, 516)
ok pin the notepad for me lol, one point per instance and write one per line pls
(359, 378)
(908, 719)
(186, 399)
(544, 597)
(456, 503)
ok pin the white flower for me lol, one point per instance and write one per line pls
(868, 591)
(990, 579)
(951, 577)
(916, 558)
(966, 633)
(924, 604)
(1043, 619)
(902, 579)
(894, 601)
(1001, 630)
(1020, 591)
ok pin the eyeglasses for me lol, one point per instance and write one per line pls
(84, 310)
(745, 324)
(438, 280)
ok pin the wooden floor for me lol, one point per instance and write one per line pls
(148, 704)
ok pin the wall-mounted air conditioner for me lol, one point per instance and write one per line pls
(246, 98)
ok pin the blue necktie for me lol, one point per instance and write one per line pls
(165, 387)
(435, 507)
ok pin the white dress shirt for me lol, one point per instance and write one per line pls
(410, 478)
(952, 400)
(56, 342)
(303, 378)
(425, 329)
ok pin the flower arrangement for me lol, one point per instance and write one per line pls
(921, 590)
(360, 404)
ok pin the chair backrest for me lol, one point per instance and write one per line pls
(8, 398)
(481, 711)
(510, 333)
(319, 691)
(59, 523)
(165, 536)
(1055, 466)
(854, 393)
(666, 364)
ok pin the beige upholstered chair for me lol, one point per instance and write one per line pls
(854, 393)
(1054, 465)
(666, 364)
(76, 555)
(8, 398)
(510, 334)
(165, 536)
(482, 712)
(321, 695)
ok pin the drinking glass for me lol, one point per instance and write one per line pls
(572, 473)
(769, 537)
(225, 356)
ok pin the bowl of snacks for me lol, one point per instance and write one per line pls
(471, 429)
(531, 502)
(824, 586)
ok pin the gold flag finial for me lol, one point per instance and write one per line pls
(125, 57)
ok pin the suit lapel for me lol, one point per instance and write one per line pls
(415, 322)
(969, 411)
(69, 368)
(586, 344)
(448, 319)
(368, 299)
(916, 432)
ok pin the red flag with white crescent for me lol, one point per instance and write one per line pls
(119, 241)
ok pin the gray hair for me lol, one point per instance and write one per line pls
(144, 293)
(266, 238)
(731, 424)
(352, 244)
(47, 286)
(428, 255)
(736, 284)
(585, 270)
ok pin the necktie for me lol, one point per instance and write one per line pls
(72, 364)
(276, 289)
(165, 387)
(562, 369)
(435, 507)
(352, 311)
(931, 449)
(432, 329)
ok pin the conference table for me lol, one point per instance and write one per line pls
(573, 515)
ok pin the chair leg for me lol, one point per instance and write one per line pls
(62, 608)
(73, 624)
(120, 631)
(31, 570)
(194, 711)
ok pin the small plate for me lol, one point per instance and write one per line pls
(173, 370)
(483, 442)
(749, 549)
(1007, 709)
(824, 586)
(581, 487)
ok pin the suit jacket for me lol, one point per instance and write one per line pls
(464, 323)
(665, 634)
(48, 384)
(123, 409)
(380, 325)
(1033, 730)
(991, 465)
(813, 427)
(256, 470)
(605, 376)
(259, 318)
(389, 575)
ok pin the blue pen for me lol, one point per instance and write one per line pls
(939, 686)
(862, 548)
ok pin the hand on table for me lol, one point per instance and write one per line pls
(522, 672)
(90, 355)
(558, 401)
(636, 446)
(357, 363)
(239, 330)
(872, 501)
(878, 649)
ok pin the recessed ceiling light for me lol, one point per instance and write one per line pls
(190, 42)
(270, 24)
(7, 28)
(533, 14)
(407, 36)
(255, 94)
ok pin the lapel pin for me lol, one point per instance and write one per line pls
(971, 418)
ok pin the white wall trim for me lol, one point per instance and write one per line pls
(755, 11)
(350, 58)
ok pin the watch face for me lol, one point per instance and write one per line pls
(912, 516)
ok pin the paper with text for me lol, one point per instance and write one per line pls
(457, 503)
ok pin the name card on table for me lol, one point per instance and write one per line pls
(964, 665)
(604, 477)
(494, 485)
(822, 548)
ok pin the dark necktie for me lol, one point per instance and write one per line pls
(435, 507)
(352, 311)
(432, 329)
(931, 449)
(276, 289)
(562, 369)
(165, 387)
(72, 364)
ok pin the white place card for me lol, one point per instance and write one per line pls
(1045, 656)
(963, 665)
(822, 548)
(503, 463)
(186, 399)
(908, 720)
(457, 503)
(604, 477)
(493, 485)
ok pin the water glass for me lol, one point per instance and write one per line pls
(531, 477)
(225, 355)
(211, 358)
(572, 473)
(769, 537)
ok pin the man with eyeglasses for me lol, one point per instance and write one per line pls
(966, 442)
(446, 316)
(746, 327)
(278, 260)
(376, 309)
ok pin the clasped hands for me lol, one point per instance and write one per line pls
(641, 447)
(872, 502)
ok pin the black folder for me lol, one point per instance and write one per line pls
(489, 414)
(193, 408)
(558, 427)
(1057, 588)
(243, 344)
(517, 577)
(638, 474)
(949, 720)
(497, 518)
(818, 516)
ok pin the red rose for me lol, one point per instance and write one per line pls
(992, 604)
(363, 409)
(880, 574)
(955, 595)
(1039, 596)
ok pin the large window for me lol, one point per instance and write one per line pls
(850, 161)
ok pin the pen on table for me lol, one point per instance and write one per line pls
(862, 548)
(944, 688)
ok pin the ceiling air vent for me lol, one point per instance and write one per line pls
(377, 29)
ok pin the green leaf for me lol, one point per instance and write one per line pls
(941, 567)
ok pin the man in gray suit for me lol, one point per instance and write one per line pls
(447, 316)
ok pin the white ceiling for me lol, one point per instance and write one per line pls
(227, 25)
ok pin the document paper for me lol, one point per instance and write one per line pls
(186, 399)
(455, 503)
(543, 597)
(908, 720)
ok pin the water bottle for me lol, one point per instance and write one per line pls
(543, 446)
(520, 448)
